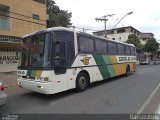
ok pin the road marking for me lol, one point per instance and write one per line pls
(148, 100)
(158, 111)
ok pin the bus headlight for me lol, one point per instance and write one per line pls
(39, 86)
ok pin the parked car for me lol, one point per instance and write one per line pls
(156, 61)
(145, 62)
(3, 95)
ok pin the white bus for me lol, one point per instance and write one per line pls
(58, 59)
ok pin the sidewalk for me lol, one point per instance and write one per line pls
(8, 78)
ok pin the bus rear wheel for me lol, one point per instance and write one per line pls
(81, 82)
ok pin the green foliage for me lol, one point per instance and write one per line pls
(133, 39)
(151, 45)
(57, 17)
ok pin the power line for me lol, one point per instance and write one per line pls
(22, 20)
(18, 14)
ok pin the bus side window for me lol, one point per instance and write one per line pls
(67, 37)
(112, 48)
(120, 49)
(132, 50)
(60, 57)
(127, 50)
(86, 45)
(60, 49)
(57, 50)
(101, 47)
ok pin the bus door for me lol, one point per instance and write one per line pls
(60, 57)
(60, 76)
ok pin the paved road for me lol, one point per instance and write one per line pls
(118, 95)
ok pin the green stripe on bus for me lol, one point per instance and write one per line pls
(109, 67)
(111, 70)
(31, 73)
(100, 60)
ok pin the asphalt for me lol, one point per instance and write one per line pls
(120, 95)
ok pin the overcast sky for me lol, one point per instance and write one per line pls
(145, 17)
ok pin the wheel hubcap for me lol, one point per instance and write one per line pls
(82, 82)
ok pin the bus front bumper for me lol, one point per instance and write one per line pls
(37, 86)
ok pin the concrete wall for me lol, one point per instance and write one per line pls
(119, 36)
(8, 61)
(24, 10)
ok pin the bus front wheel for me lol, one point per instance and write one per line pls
(81, 82)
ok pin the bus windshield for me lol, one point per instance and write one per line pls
(36, 51)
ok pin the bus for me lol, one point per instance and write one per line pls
(58, 59)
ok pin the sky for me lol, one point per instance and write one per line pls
(145, 17)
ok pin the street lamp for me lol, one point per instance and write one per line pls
(104, 18)
(129, 13)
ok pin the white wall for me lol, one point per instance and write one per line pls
(8, 61)
(143, 42)
(123, 36)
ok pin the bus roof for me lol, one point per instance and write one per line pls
(72, 30)
(49, 29)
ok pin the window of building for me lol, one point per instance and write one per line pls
(120, 49)
(34, 16)
(112, 32)
(144, 39)
(4, 17)
(120, 30)
(40, 1)
(101, 47)
(112, 48)
(86, 44)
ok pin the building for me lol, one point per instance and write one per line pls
(18, 18)
(120, 34)
(144, 37)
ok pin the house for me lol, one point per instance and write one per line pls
(120, 34)
(144, 37)
(18, 18)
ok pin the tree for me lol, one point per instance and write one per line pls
(133, 39)
(57, 17)
(151, 46)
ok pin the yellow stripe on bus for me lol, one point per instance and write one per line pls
(38, 73)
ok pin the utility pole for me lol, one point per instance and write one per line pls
(104, 18)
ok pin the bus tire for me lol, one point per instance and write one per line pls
(127, 71)
(81, 82)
